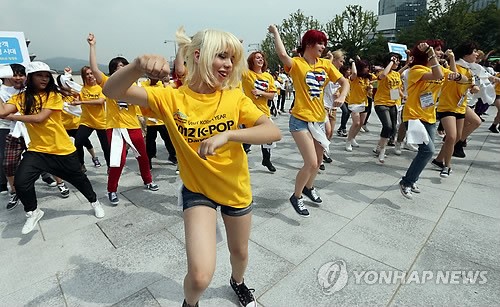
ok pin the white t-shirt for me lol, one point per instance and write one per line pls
(330, 89)
(6, 92)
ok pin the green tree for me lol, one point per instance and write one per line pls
(353, 30)
(454, 22)
(291, 31)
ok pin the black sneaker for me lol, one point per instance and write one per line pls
(298, 205)
(438, 164)
(458, 151)
(269, 166)
(63, 189)
(312, 194)
(493, 128)
(185, 304)
(113, 198)
(96, 161)
(245, 295)
(326, 158)
(322, 167)
(445, 172)
(14, 200)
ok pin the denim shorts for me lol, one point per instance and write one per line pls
(191, 199)
(295, 125)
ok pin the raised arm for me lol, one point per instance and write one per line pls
(93, 59)
(437, 71)
(451, 57)
(387, 69)
(121, 85)
(280, 48)
(354, 70)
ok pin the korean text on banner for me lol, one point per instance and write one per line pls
(13, 49)
(399, 49)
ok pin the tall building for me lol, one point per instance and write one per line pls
(406, 11)
(481, 4)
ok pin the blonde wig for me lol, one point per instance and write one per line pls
(210, 44)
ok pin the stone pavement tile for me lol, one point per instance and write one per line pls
(373, 175)
(264, 270)
(302, 286)
(135, 224)
(124, 272)
(270, 196)
(67, 215)
(348, 199)
(430, 178)
(293, 237)
(41, 293)
(484, 173)
(480, 199)
(140, 298)
(12, 238)
(452, 281)
(387, 235)
(36, 261)
(469, 236)
(429, 204)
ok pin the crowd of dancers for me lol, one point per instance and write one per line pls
(212, 105)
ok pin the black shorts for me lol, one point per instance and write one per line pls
(191, 199)
(441, 115)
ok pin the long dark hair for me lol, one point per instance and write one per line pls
(360, 67)
(113, 64)
(31, 92)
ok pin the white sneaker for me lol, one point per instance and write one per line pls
(362, 129)
(348, 146)
(354, 143)
(98, 210)
(365, 128)
(381, 155)
(410, 147)
(32, 218)
(397, 149)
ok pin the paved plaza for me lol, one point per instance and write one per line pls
(355, 248)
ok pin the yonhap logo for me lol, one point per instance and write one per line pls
(332, 276)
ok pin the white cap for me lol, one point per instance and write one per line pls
(38, 66)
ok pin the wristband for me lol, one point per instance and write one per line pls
(431, 57)
(435, 65)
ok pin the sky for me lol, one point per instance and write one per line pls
(130, 28)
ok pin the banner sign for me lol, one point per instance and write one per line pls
(13, 49)
(399, 49)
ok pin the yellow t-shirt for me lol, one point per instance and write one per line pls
(417, 91)
(265, 82)
(191, 118)
(48, 136)
(93, 115)
(358, 93)
(497, 86)
(453, 96)
(120, 114)
(391, 83)
(309, 82)
(146, 112)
